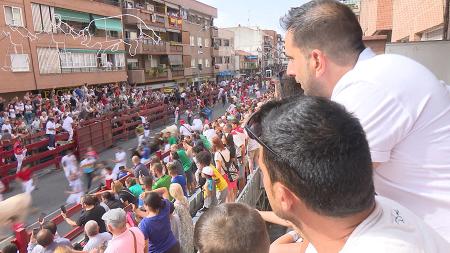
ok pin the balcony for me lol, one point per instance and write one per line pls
(214, 32)
(147, 75)
(136, 76)
(147, 47)
(110, 2)
(174, 22)
(144, 15)
(156, 74)
(175, 49)
(177, 72)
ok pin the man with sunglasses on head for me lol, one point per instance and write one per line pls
(402, 106)
(317, 172)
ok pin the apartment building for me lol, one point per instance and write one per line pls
(153, 41)
(224, 65)
(403, 20)
(55, 44)
(198, 32)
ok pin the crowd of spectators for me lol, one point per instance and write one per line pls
(150, 208)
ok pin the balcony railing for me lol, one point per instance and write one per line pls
(176, 48)
(110, 2)
(177, 72)
(156, 74)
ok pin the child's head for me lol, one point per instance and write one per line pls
(231, 227)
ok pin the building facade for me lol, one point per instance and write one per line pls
(403, 20)
(56, 44)
(224, 61)
(61, 44)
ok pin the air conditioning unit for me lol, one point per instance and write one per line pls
(162, 66)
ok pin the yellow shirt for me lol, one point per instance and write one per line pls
(221, 183)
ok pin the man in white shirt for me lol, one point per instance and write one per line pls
(404, 109)
(197, 124)
(320, 180)
(50, 131)
(120, 160)
(7, 126)
(185, 129)
(70, 165)
(67, 126)
(96, 239)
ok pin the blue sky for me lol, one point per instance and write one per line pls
(264, 13)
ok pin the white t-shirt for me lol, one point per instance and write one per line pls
(405, 112)
(185, 130)
(122, 157)
(218, 157)
(69, 163)
(67, 123)
(97, 241)
(392, 228)
(48, 126)
(7, 127)
(197, 125)
(210, 134)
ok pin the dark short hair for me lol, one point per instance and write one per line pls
(326, 25)
(10, 248)
(50, 225)
(147, 181)
(108, 196)
(223, 229)
(89, 200)
(322, 154)
(158, 167)
(204, 158)
(154, 200)
(44, 237)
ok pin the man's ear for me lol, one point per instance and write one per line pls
(285, 197)
(318, 62)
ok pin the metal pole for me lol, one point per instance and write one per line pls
(446, 19)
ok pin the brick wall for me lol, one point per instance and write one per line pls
(368, 16)
(411, 17)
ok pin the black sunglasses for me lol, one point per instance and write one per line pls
(254, 130)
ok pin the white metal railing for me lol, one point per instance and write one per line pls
(252, 190)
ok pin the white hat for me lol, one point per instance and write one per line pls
(208, 171)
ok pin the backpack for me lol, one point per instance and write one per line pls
(230, 169)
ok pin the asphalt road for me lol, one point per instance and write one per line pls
(51, 184)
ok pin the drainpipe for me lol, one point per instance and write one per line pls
(446, 19)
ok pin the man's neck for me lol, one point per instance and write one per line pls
(329, 234)
(89, 208)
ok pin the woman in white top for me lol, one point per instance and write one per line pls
(222, 156)
(181, 204)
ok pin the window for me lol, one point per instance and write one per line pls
(206, 42)
(19, 63)
(49, 60)
(200, 61)
(227, 59)
(120, 60)
(199, 41)
(193, 63)
(218, 60)
(113, 34)
(192, 40)
(226, 43)
(43, 18)
(206, 63)
(13, 16)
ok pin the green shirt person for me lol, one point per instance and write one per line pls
(184, 159)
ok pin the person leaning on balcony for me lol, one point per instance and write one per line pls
(403, 107)
(317, 173)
